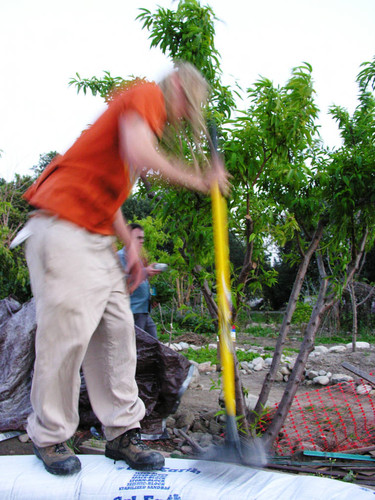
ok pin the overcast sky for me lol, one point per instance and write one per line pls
(43, 43)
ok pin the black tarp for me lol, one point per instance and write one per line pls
(162, 374)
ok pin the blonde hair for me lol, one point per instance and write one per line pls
(196, 90)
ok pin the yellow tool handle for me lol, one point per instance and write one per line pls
(220, 226)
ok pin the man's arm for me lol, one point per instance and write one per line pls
(138, 146)
(134, 265)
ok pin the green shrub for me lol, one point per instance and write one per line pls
(302, 313)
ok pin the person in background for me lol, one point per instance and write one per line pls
(82, 305)
(140, 299)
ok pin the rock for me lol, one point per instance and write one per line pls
(359, 345)
(258, 364)
(24, 438)
(184, 420)
(363, 389)
(203, 439)
(340, 377)
(321, 380)
(311, 374)
(194, 381)
(279, 377)
(322, 373)
(184, 345)
(250, 401)
(320, 349)
(198, 426)
(284, 370)
(188, 450)
(337, 348)
(195, 347)
(170, 422)
(268, 362)
(206, 367)
(214, 427)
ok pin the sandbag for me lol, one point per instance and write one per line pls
(24, 477)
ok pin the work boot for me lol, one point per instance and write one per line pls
(129, 447)
(58, 459)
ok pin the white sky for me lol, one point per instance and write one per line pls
(43, 43)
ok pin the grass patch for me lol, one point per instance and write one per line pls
(205, 354)
(260, 331)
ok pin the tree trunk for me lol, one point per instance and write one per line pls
(285, 326)
(355, 316)
(324, 303)
(295, 378)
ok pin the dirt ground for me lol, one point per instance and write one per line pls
(201, 399)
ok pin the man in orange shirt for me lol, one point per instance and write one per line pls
(82, 305)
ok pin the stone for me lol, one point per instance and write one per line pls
(284, 370)
(206, 367)
(185, 419)
(188, 450)
(258, 364)
(279, 377)
(321, 380)
(359, 345)
(195, 347)
(337, 348)
(340, 377)
(250, 401)
(320, 349)
(363, 389)
(268, 362)
(184, 345)
(214, 427)
(198, 426)
(205, 440)
(195, 378)
(322, 373)
(24, 438)
(311, 374)
(170, 422)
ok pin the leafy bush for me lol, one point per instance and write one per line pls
(302, 313)
(185, 319)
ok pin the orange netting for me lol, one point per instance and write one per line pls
(333, 418)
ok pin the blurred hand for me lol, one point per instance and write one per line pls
(134, 268)
(151, 271)
(218, 174)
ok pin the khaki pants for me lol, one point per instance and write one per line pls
(83, 319)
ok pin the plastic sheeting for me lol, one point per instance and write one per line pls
(24, 477)
(162, 374)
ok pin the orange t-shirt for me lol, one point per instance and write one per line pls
(89, 183)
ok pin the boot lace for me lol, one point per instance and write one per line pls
(60, 448)
(136, 440)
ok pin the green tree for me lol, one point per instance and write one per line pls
(347, 223)
(14, 276)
